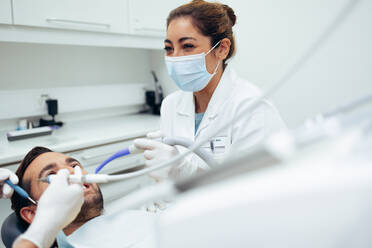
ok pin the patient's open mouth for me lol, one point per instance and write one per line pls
(86, 186)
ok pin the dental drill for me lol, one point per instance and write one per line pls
(166, 140)
(103, 178)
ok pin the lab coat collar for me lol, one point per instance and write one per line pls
(222, 93)
(219, 98)
(186, 104)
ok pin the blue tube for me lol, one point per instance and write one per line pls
(119, 154)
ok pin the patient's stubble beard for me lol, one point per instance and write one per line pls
(92, 207)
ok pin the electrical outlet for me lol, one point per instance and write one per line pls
(42, 99)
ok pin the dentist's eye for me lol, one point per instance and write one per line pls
(188, 46)
(168, 48)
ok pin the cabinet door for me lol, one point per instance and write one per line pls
(5, 12)
(149, 17)
(90, 15)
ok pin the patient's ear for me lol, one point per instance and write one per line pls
(28, 213)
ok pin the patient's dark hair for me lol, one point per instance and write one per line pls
(18, 202)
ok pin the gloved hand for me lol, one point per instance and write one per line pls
(5, 190)
(58, 206)
(156, 152)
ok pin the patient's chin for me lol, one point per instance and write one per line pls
(92, 207)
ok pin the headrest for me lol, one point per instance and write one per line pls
(11, 228)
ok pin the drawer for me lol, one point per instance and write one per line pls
(87, 15)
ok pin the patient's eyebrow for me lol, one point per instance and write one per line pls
(46, 168)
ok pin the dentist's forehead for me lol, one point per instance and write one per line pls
(181, 27)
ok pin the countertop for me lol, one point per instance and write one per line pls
(81, 134)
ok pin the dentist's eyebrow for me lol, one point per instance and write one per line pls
(185, 38)
(46, 168)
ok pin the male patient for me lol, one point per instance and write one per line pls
(90, 228)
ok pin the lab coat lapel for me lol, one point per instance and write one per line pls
(221, 94)
(186, 115)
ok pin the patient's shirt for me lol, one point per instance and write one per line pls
(131, 228)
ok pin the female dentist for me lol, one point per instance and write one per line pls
(198, 45)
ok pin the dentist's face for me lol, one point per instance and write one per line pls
(183, 39)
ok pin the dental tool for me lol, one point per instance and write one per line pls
(130, 150)
(20, 191)
(89, 178)
(166, 140)
(259, 158)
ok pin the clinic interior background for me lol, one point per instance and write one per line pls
(270, 36)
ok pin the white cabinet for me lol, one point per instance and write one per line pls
(89, 15)
(5, 12)
(149, 17)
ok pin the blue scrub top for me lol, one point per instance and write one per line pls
(62, 240)
(198, 119)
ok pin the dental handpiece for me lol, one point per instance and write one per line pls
(172, 141)
(89, 178)
(20, 191)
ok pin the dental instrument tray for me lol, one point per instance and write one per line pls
(29, 133)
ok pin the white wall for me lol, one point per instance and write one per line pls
(70, 71)
(158, 65)
(26, 66)
(271, 35)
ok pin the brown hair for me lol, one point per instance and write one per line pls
(19, 202)
(214, 20)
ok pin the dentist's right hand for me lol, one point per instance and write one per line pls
(156, 152)
(5, 190)
(58, 206)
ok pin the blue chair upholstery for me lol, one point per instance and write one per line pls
(11, 228)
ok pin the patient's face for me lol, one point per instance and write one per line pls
(50, 163)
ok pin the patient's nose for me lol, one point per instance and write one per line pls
(71, 170)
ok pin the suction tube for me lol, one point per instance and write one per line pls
(119, 154)
(169, 141)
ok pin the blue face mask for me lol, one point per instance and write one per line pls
(190, 72)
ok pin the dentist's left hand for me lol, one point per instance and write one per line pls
(58, 206)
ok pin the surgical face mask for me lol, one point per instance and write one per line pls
(190, 72)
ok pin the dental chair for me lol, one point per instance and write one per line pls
(11, 228)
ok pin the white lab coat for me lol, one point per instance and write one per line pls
(231, 97)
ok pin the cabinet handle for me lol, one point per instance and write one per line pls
(150, 29)
(66, 21)
(88, 157)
